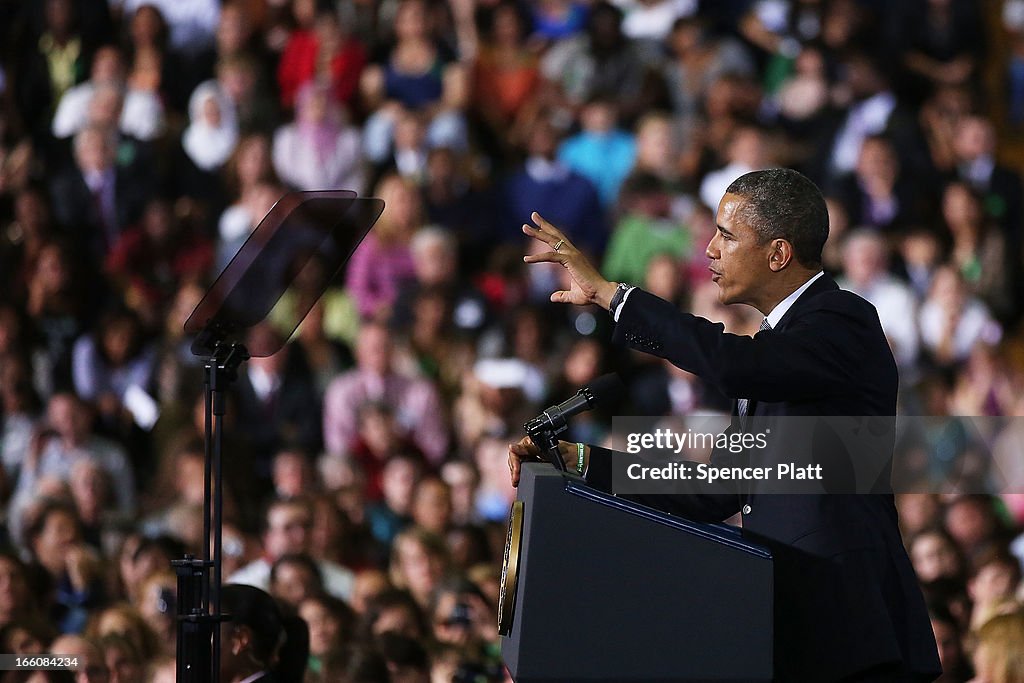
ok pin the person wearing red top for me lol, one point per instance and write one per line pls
(324, 52)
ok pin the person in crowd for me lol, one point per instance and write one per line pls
(286, 532)
(192, 23)
(238, 77)
(602, 61)
(658, 149)
(505, 74)
(432, 506)
(645, 231)
(17, 601)
(318, 151)
(462, 479)
(277, 402)
(126, 622)
(332, 627)
(394, 611)
(151, 66)
(135, 111)
(747, 151)
(66, 438)
(997, 654)
(437, 267)
(260, 641)
(294, 578)
(392, 512)
(601, 152)
(414, 401)
(320, 49)
(974, 154)
(69, 574)
(382, 263)
(149, 261)
(877, 194)
(942, 43)
(417, 73)
(207, 143)
(952, 321)
(57, 62)
(874, 110)
(865, 272)
(419, 560)
(547, 184)
(921, 252)
(113, 364)
(979, 249)
(935, 555)
(96, 198)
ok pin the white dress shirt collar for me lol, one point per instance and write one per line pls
(775, 316)
(255, 677)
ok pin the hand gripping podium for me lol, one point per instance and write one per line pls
(598, 588)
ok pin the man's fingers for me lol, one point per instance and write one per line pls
(513, 463)
(546, 232)
(546, 226)
(545, 237)
(546, 257)
(561, 297)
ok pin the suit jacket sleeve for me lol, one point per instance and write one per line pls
(812, 358)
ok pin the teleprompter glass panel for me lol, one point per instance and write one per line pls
(299, 248)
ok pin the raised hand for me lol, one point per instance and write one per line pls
(588, 285)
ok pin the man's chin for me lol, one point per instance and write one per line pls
(723, 295)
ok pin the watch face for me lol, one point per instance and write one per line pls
(510, 569)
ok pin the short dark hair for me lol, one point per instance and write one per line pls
(252, 607)
(37, 519)
(784, 204)
(299, 560)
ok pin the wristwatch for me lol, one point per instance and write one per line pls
(620, 292)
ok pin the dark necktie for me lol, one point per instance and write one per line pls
(742, 404)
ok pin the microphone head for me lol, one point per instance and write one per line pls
(603, 390)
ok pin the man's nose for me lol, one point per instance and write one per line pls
(712, 251)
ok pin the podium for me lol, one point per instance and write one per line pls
(598, 588)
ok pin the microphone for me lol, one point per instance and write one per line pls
(554, 420)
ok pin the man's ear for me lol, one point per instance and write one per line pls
(781, 255)
(241, 639)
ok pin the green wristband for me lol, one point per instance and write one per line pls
(580, 449)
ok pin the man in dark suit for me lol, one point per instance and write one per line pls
(848, 607)
(95, 199)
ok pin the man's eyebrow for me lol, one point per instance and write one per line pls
(723, 230)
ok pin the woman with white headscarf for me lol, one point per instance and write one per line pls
(212, 132)
(318, 151)
(206, 145)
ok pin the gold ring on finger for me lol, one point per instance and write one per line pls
(558, 244)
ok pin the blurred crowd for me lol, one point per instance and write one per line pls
(141, 141)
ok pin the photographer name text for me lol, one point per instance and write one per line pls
(688, 471)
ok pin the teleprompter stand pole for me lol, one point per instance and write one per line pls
(199, 580)
(327, 224)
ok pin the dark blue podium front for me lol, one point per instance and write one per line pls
(610, 590)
